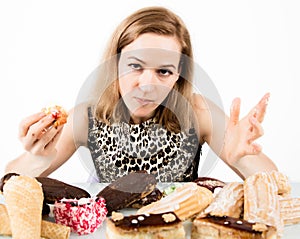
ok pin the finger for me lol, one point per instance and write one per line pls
(261, 107)
(256, 130)
(49, 135)
(33, 135)
(28, 121)
(235, 111)
(42, 146)
(41, 127)
(254, 149)
(53, 142)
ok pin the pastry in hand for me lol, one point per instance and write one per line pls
(58, 113)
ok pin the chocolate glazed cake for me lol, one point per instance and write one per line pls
(54, 189)
(151, 226)
(128, 189)
(154, 196)
(224, 228)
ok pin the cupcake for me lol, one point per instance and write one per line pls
(83, 216)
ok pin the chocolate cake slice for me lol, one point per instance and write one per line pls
(154, 196)
(54, 189)
(127, 190)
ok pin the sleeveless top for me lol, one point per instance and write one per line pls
(120, 148)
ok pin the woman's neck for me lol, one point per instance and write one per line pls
(138, 119)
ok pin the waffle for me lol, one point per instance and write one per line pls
(282, 182)
(48, 229)
(290, 210)
(24, 201)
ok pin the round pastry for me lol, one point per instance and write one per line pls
(83, 215)
(59, 114)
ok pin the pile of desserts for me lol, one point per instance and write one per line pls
(259, 207)
(27, 200)
(21, 216)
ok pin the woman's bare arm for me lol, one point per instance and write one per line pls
(233, 140)
(36, 162)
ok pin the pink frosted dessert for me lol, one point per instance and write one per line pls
(84, 215)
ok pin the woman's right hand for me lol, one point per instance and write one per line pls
(38, 135)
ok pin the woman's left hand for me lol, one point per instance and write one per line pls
(241, 134)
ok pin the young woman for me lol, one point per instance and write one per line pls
(147, 116)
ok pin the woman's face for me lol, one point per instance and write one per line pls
(148, 70)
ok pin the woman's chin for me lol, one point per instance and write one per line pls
(141, 116)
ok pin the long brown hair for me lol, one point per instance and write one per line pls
(160, 21)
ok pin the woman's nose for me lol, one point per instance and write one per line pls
(147, 80)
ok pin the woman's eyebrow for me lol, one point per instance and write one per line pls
(137, 59)
(143, 62)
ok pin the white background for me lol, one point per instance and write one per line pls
(248, 48)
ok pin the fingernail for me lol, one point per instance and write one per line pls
(255, 112)
(266, 100)
(50, 116)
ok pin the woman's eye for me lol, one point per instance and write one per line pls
(135, 66)
(165, 72)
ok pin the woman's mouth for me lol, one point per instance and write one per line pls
(143, 101)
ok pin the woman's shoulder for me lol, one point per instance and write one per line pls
(202, 110)
(79, 116)
(80, 111)
(199, 102)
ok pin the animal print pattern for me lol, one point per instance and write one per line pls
(120, 148)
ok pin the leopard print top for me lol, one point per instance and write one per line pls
(120, 148)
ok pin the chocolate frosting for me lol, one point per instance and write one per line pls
(127, 190)
(231, 222)
(5, 178)
(145, 220)
(209, 183)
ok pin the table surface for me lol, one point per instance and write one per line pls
(290, 232)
